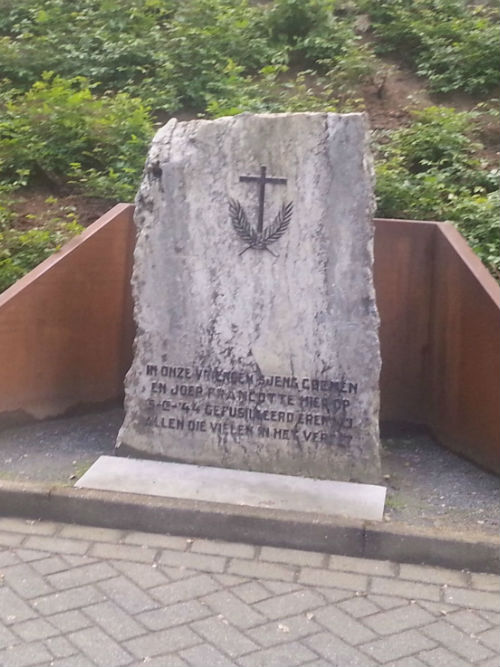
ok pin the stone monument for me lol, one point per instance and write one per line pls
(257, 344)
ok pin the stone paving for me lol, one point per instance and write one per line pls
(76, 596)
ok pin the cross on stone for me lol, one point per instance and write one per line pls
(261, 181)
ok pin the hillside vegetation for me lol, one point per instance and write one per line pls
(83, 85)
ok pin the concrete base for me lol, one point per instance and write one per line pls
(235, 487)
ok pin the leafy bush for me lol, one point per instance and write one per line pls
(21, 251)
(431, 171)
(451, 43)
(59, 130)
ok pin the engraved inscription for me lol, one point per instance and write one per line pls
(241, 404)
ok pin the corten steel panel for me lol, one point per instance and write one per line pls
(66, 327)
(465, 361)
(403, 274)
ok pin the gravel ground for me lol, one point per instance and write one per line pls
(427, 484)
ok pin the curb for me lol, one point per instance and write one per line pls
(253, 525)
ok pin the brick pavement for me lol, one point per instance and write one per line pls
(76, 596)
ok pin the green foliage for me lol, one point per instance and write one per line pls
(431, 171)
(173, 54)
(59, 129)
(454, 45)
(21, 251)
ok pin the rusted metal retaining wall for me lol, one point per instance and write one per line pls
(66, 331)
(440, 324)
(66, 328)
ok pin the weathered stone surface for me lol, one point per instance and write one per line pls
(265, 358)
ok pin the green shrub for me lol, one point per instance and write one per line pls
(21, 251)
(454, 45)
(59, 131)
(431, 171)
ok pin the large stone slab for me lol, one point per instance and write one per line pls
(235, 487)
(257, 343)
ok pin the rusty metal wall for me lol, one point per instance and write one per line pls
(440, 332)
(66, 327)
(66, 331)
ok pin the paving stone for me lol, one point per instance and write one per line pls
(7, 638)
(202, 656)
(164, 641)
(407, 589)
(387, 601)
(49, 565)
(261, 570)
(486, 582)
(491, 616)
(456, 641)
(432, 575)
(398, 646)
(60, 647)
(338, 652)
(279, 587)
(127, 595)
(25, 655)
(183, 612)
(358, 607)
(185, 589)
(289, 604)
(91, 533)
(11, 539)
(73, 661)
(231, 607)
(68, 621)
(81, 575)
(251, 592)
(292, 557)
(288, 629)
(100, 648)
(224, 636)
(491, 662)
(362, 565)
(193, 561)
(77, 561)
(468, 621)
(353, 582)
(149, 575)
(25, 581)
(169, 660)
(344, 626)
(438, 608)
(232, 549)
(31, 631)
(441, 657)
(409, 661)
(28, 526)
(285, 654)
(30, 555)
(337, 594)
(118, 624)
(475, 599)
(176, 573)
(12, 608)
(8, 558)
(123, 551)
(59, 545)
(157, 540)
(67, 600)
(396, 620)
(491, 638)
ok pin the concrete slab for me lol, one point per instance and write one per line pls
(235, 487)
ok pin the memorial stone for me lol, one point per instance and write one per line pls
(257, 330)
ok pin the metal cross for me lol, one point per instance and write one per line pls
(262, 180)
